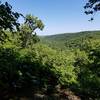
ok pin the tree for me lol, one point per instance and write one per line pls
(87, 63)
(8, 19)
(34, 22)
(28, 28)
(92, 6)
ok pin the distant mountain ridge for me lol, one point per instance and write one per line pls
(60, 40)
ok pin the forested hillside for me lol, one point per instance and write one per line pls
(58, 67)
(37, 68)
(68, 40)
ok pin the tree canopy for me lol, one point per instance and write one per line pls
(26, 69)
(27, 30)
(8, 18)
(92, 6)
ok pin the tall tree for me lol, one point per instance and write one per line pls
(8, 19)
(27, 31)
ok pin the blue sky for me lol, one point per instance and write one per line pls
(59, 16)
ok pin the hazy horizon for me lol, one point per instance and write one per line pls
(67, 32)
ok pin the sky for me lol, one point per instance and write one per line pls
(58, 16)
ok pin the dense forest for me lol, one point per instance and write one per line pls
(64, 41)
(57, 67)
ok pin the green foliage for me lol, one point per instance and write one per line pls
(87, 64)
(41, 67)
(66, 60)
(70, 40)
(27, 31)
(34, 22)
(61, 62)
(8, 19)
(8, 71)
